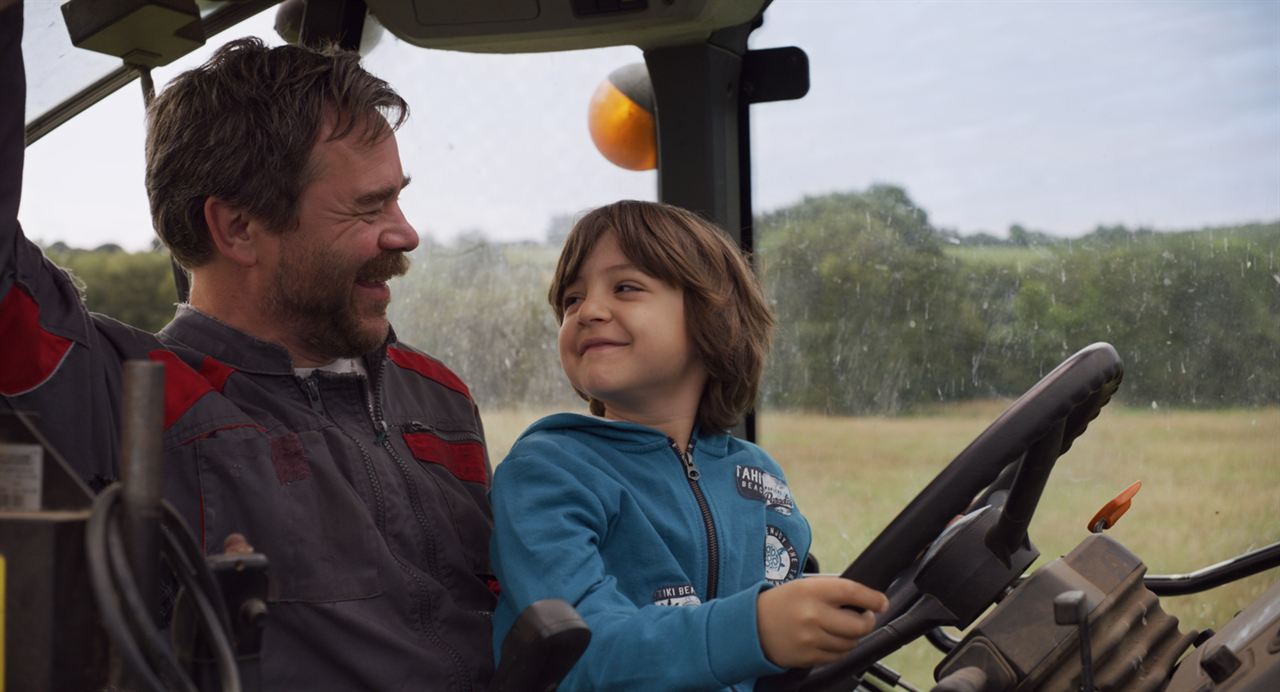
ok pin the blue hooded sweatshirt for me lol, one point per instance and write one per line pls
(663, 554)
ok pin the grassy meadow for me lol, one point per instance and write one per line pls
(1210, 488)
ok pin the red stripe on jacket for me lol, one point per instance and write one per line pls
(428, 368)
(215, 373)
(465, 460)
(31, 354)
(183, 385)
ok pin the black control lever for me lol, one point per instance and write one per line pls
(1071, 608)
(543, 644)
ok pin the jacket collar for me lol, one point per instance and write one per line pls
(228, 345)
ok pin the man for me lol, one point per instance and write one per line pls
(292, 414)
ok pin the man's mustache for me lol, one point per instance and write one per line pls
(383, 267)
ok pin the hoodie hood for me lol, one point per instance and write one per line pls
(624, 434)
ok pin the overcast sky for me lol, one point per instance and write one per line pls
(1057, 115)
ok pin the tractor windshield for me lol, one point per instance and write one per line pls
(968, 194)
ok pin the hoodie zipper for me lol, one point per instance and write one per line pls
(691, 474)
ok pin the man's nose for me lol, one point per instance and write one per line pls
(399, 234)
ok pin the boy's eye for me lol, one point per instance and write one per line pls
(627, 288)
(570, 301)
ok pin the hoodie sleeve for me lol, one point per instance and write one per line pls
(548, 526)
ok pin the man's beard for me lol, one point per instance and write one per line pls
(313, 296)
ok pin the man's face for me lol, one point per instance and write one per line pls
(330, 287)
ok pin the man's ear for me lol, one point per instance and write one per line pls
(234, 233)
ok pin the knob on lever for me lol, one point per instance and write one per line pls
(543, 644)
(967, 679)
(1071, 608)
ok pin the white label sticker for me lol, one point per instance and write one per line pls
(682, 595)
(781, 562)
(21, 474)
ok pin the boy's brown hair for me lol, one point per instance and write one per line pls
(728, 319)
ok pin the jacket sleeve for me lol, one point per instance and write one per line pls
(42, 315)
(13, 85)
(46, 363)
(547, 529)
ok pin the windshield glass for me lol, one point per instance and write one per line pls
(969, 193)
(57, 70)
(972, 192)
(501, 160)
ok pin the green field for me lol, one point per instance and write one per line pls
(1211, 487)
(999, 255)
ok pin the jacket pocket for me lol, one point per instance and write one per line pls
(463, 459)
(289, 499)
(459, 469)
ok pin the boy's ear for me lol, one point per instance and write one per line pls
(233, 232)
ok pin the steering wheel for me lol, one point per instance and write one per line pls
(1028, 437)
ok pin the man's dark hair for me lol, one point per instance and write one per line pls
(241, 128)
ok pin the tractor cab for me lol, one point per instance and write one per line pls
(993, 236)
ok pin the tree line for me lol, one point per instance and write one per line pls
(879, 310)
(883, 312)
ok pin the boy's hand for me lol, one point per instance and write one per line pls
(804, 623)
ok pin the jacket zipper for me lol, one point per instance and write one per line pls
(380, 428)
(311, 387)
(449, 435)
(383, 438)
(313, 394)
(691, 474)
(375, 405)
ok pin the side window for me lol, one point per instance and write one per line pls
(502, 165)
(970, 194)
(502, 162)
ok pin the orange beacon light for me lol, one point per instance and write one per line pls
(622, 121)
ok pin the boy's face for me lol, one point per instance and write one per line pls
(624, 341)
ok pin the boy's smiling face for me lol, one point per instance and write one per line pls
(624, 341)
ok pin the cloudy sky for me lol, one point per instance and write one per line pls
(1057, 115)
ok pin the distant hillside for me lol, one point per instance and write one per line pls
(881, 311)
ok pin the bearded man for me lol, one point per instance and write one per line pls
(292, 415)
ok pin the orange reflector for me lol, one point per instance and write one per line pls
(623, 131)
(1113, 510)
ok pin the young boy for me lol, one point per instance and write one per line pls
(650, 504)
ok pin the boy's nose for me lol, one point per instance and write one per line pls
(593, 310)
